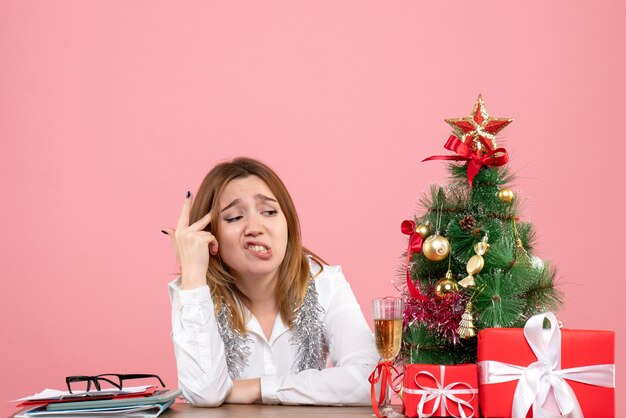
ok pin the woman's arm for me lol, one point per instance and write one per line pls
(200, 360)
(245, 391)
(202, 370)
(352, 352)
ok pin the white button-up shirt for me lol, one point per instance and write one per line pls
(203, 373)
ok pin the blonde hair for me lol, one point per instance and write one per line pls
(293, 273)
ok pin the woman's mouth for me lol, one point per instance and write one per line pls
(258, 248)
(260, 251)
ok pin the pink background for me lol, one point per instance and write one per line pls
(110, 111)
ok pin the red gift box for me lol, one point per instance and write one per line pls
(440, 391)
(547, 358)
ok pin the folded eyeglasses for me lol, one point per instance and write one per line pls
(115, 380)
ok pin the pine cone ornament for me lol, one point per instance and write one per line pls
(468, 223)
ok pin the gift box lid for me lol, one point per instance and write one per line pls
(578, 347)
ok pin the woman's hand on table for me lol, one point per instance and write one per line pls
(245, 391)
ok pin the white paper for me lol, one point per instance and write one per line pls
(141, 411)
(47, 394)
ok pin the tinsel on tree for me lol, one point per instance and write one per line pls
(470, 259)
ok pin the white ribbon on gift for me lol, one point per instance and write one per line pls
(545, 375)
(441, 395)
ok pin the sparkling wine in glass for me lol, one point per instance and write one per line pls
(388, 334)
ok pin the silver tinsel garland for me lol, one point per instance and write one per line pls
(308, 336)
(309, 333)
(235, 343)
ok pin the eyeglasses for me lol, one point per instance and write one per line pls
(115, 380)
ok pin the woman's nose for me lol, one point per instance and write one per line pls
(254, 226)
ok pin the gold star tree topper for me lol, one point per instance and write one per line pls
(478, 130)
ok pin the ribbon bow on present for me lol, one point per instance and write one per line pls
(545, 375)
(441, 395)
(496, 157)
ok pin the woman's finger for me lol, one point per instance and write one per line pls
(213, 245)
(183, 220)
(194, 239)
(201, 223)
(172, 234)
(211, 241)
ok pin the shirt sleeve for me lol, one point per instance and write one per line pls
(201, 363)
(352, 352)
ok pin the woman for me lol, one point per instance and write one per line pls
(256, 317)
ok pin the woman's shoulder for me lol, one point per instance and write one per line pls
(328, 278)
(328, 272)
(334, 291)
(324, 272)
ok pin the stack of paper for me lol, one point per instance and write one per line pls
(134, 402)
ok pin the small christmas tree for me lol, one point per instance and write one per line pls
(470, 263)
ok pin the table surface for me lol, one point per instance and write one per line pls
(184, 410)
(180, 410)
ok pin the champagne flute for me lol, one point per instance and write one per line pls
(388, 333)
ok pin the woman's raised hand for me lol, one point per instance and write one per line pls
(193, 246)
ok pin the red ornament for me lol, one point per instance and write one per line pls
(478, 130)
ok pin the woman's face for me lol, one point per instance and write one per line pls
(252, 228)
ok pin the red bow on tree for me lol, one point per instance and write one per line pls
(497, 157)
(415, 246)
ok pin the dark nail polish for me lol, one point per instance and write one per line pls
(188, 194)
(164, 231)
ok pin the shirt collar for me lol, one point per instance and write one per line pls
(254, 326)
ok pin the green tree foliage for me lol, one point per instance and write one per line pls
(512, 286)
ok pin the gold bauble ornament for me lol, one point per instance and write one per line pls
(446, 286)
(506, 195)
(423, 230)
(436, 248)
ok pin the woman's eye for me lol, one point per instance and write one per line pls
(233, 219)
(271, 212)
